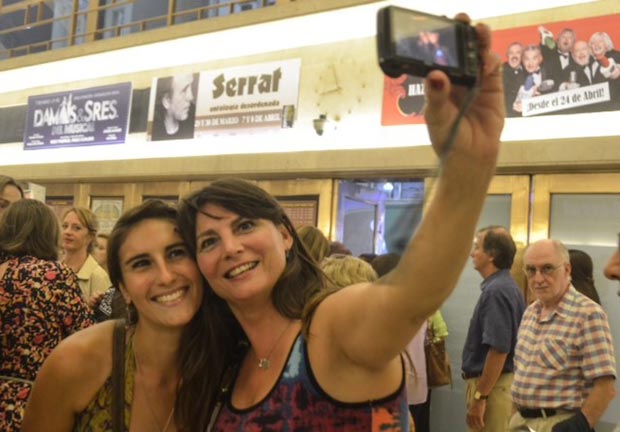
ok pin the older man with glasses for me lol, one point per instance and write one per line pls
(564, 359)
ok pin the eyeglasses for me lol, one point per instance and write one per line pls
(545, 270)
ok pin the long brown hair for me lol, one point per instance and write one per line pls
(200, 367)
(299, 281)
(581, 274)
(29, 227)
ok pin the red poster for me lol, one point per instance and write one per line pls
(538, 80)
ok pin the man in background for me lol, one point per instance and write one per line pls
(10, 192)
(175, 109)
(564, 360)
(489, 348)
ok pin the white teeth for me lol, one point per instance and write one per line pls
(241, 269)
(169, 297)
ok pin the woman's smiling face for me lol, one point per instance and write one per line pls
(241, 258)
(159, 275)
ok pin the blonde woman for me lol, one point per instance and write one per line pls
(79, 232)
(345, 270)
(315, 241)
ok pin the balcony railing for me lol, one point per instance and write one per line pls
(34, 26)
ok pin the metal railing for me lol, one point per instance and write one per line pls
(84, 25)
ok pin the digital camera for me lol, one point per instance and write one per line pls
(414, 43)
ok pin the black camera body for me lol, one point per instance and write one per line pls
(414, 43)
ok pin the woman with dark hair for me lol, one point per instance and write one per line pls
(162, 287)
(324, 359)
(79, 233)
(40, 302)
(581, 274)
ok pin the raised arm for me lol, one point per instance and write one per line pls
(372, 323)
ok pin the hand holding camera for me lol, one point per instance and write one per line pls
(415, 43)
(465, 120)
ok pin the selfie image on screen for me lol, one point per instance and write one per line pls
(425, 39)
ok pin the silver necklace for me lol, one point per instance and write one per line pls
(147, 399)
(265, 362)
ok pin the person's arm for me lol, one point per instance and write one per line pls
(369, 324)
(68, 380)
(599, 366)
(54, 383)
(593, 407)
(598, 400)
(493, 366)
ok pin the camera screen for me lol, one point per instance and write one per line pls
(426, 39)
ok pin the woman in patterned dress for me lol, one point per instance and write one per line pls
(40, 302)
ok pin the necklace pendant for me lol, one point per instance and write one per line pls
(264, 363)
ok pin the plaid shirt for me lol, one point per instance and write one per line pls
(558, 358)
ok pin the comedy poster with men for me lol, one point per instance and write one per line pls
(549, 68)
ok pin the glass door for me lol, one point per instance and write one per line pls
(507, 204)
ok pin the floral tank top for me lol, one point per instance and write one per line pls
(97, 415)
(297, 403)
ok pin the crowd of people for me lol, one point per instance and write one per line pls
(233, 320)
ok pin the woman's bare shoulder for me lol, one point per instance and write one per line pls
(70, 378)
(83, 361)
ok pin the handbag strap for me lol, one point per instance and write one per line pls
(118, 377)
(19, 380)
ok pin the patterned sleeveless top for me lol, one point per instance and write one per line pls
(97, 415)
(297, 403)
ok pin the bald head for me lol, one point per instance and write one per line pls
(557, 247)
